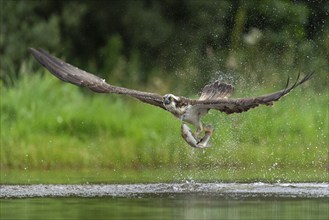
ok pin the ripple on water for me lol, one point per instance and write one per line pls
(305, 190)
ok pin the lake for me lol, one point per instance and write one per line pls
(166, 201)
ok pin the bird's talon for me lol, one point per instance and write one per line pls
(192, 140)
(208, 128)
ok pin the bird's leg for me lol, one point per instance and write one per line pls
(198, 130)
(203, 143)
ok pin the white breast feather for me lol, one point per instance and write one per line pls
(193, 114)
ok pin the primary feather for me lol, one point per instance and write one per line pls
(76, 76)
(239, 105)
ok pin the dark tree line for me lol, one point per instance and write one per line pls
(131, 41)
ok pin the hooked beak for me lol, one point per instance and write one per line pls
(166, 101)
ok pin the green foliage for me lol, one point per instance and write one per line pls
(20, 28)
(207, 36)
(52, 125)
(157, 45)
(113, 52)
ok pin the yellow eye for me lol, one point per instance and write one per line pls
(171, 98)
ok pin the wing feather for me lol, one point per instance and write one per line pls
(76, 76)
(239, 105)
(216, 90)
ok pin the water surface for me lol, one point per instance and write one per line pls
(166, 201)
(165, 207)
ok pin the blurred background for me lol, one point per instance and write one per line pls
(48, 126)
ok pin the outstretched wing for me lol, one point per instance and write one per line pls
(216, 90)
(239, 105)
(74, 75)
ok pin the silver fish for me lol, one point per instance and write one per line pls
(192, 140)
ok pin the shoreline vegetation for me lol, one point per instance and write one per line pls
(162, 175)
(52, 132)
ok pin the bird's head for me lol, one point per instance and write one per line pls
(170, 100)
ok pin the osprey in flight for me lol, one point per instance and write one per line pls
(213, 96)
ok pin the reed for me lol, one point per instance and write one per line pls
(50, 125)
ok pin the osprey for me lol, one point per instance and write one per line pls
(213, 96)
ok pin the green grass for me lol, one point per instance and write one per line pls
(156, 175)
(51, 127)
